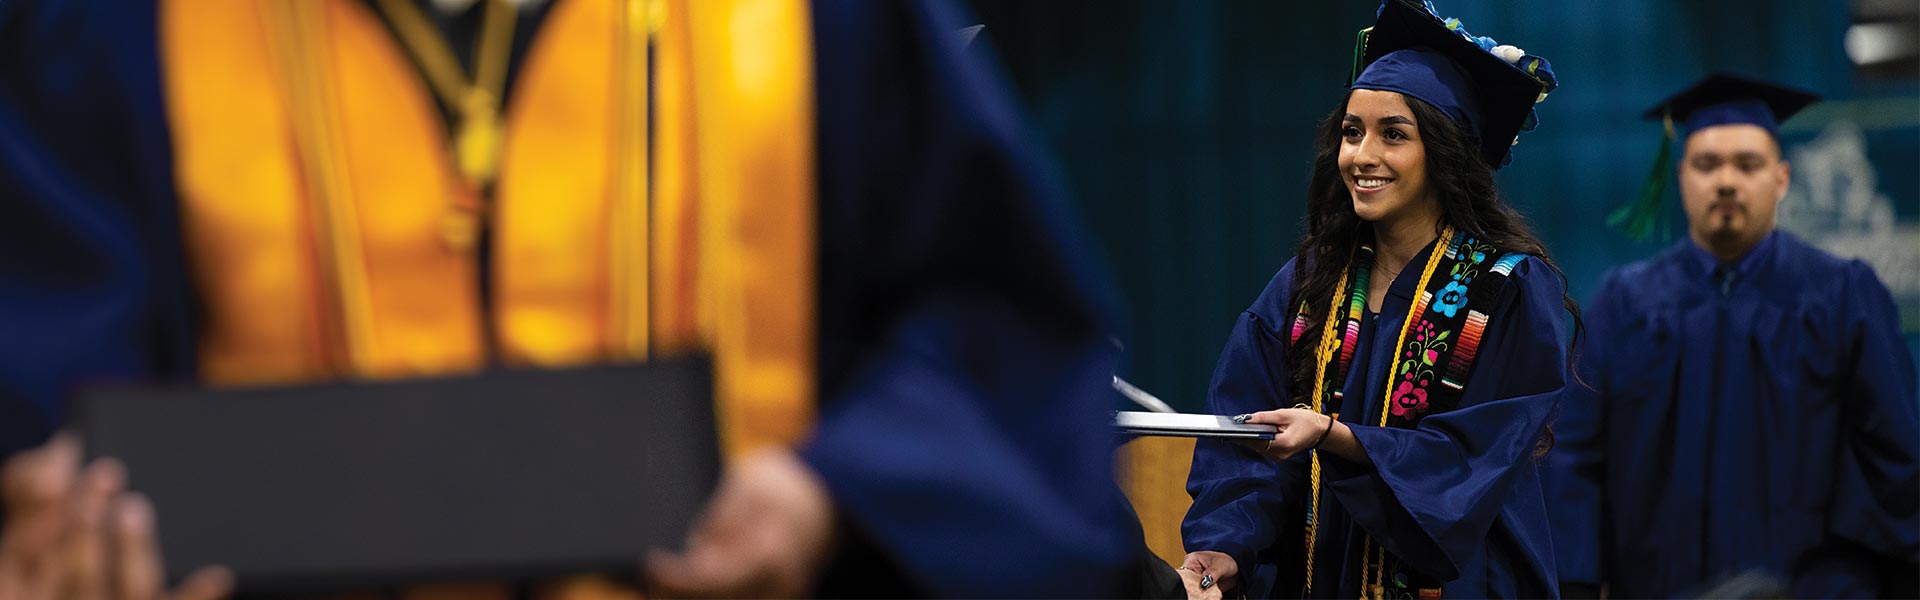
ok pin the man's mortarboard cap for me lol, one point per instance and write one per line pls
(1725, 99)
(1717, 99)
(1488, 90)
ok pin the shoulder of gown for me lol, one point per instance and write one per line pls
(1274, 306)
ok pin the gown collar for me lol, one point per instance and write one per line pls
(1409, 277)
(1701, 264)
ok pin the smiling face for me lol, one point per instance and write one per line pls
(1731, 182)
(1382, 159)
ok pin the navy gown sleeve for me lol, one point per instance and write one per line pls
(1877, 481)
(1575, 473)
(964, 363)
(1434, 491)
(92, 286)
(1239, 495)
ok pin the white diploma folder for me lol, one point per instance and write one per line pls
(1188, 425)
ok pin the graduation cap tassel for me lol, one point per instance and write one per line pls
(1359, 54)
(1642, 218)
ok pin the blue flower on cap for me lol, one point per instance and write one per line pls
(1538, 67)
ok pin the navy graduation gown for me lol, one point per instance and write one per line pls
(1458, 497)
(963, 424)
(93, 284)
(1768, 427)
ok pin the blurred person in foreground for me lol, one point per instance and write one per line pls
(1411, 352)
(1753, 407)
(829, 197)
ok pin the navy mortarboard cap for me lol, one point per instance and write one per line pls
(1724, 100)
(1715, 100)
(1486, 88)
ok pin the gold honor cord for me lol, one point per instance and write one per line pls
(630, 275)
(1426, 275)
(299, 29)
(1372, 570)
(1323, 354)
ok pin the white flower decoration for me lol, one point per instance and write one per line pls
(1509, 53)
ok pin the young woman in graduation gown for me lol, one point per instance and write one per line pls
(1411, 354)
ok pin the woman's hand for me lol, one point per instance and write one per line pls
(76, 533)
(1216, 569)
(1299, 429)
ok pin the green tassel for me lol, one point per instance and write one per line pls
(1646, 216)
(1359, 52)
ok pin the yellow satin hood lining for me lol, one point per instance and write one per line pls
(316, 187)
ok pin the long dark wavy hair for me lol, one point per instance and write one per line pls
(1469, 201)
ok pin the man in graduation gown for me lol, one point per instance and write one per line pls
(1752, 407)
(831, 198)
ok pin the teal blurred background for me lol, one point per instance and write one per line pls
(1184, 130)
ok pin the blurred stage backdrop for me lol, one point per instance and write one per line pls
(1183, 129)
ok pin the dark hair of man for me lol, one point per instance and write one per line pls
(1469, 201)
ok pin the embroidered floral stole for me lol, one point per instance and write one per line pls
(1436, 345)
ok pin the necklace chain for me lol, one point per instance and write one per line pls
(475, 101)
